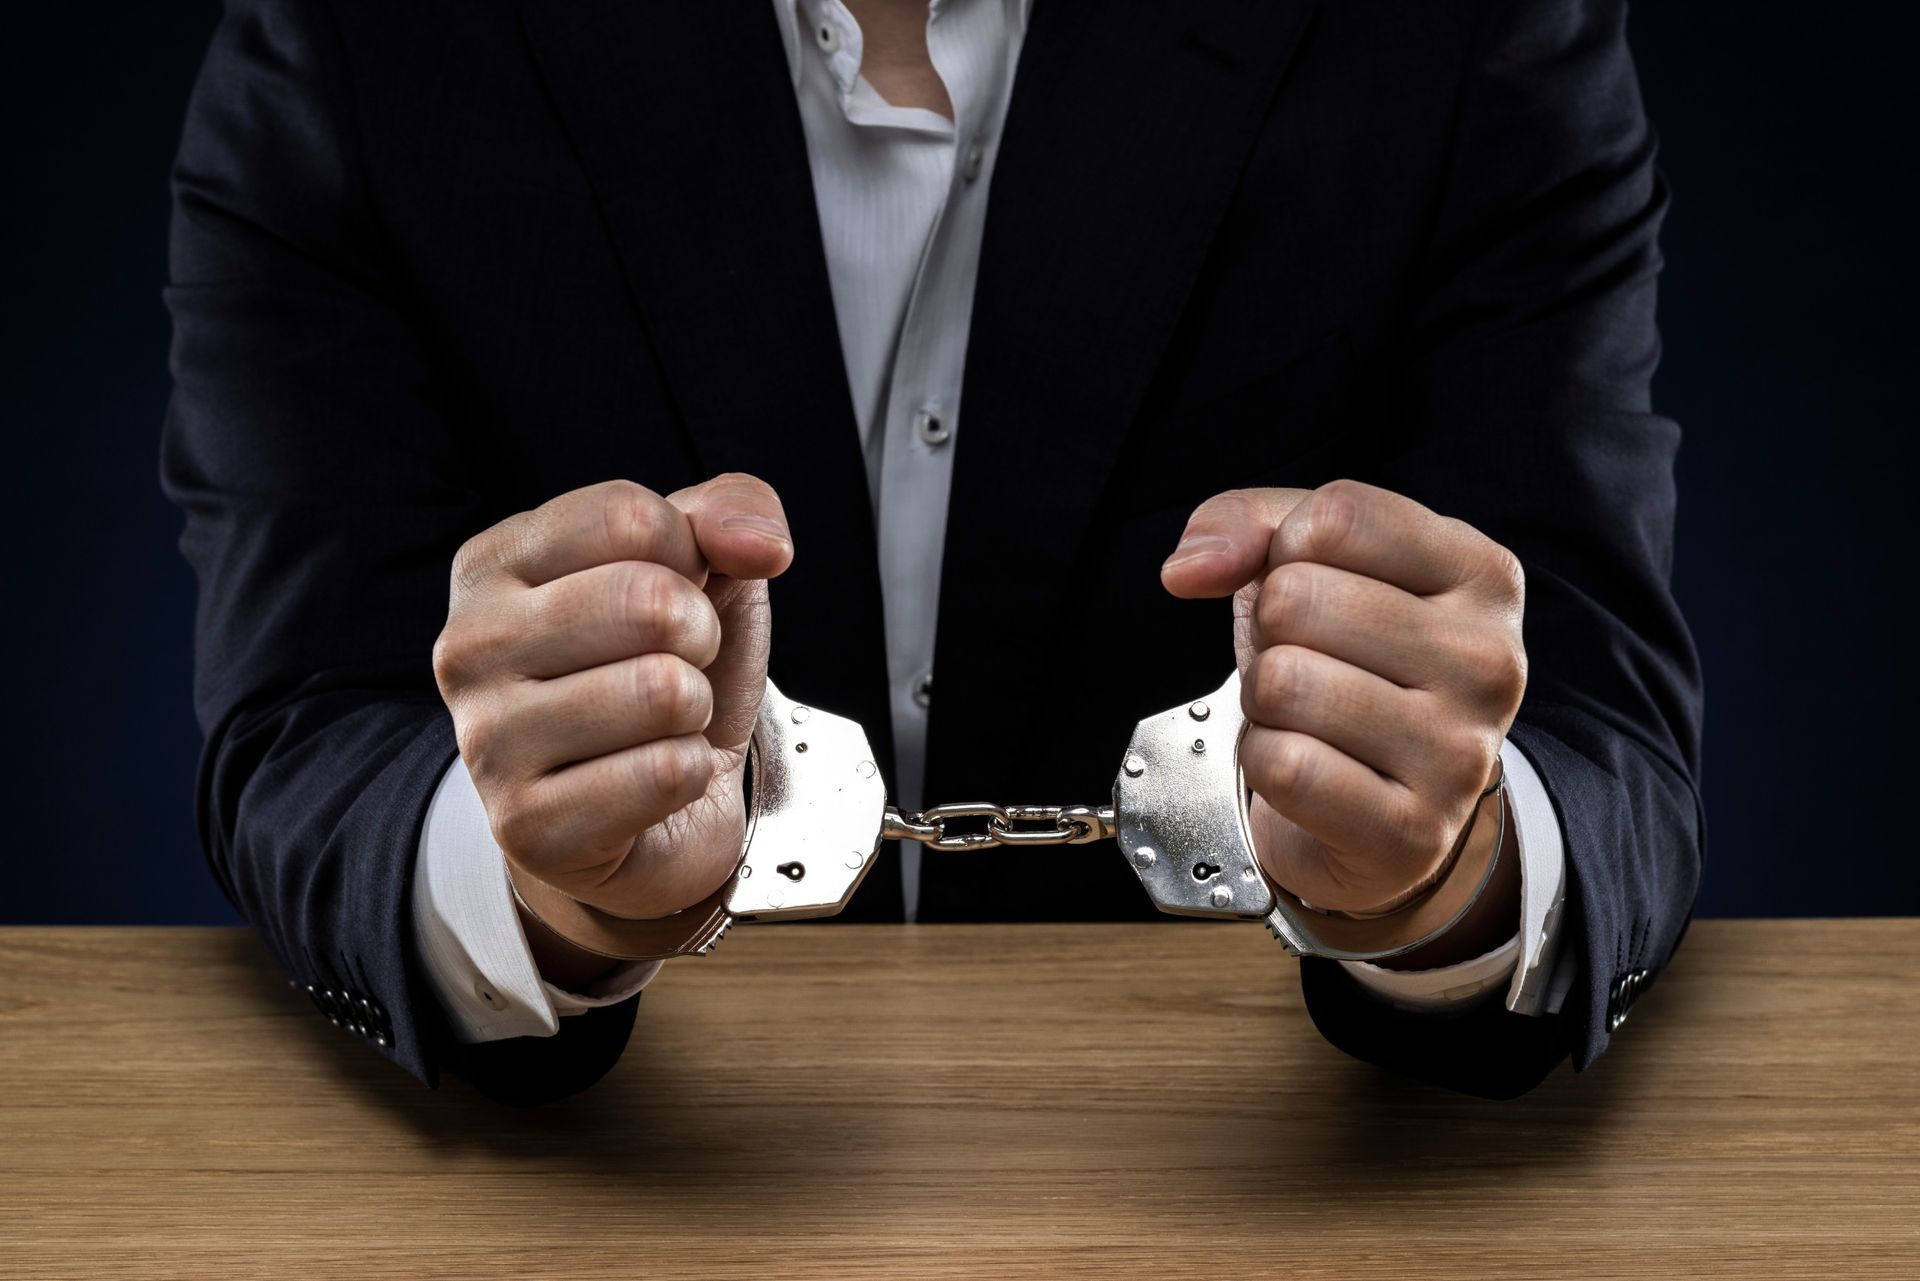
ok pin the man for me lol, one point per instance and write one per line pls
(1002, 338)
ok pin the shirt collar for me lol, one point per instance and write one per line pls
(795, 15)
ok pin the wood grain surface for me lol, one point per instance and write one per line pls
(847, 1101)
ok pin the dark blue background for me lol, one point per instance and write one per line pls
(1788, 315)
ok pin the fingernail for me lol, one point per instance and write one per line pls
(765, 526)
(1197, 546)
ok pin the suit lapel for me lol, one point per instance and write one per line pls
(1129, 125)
(1127, 131)
(684, 118)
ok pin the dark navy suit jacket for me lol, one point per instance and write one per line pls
(436, 261)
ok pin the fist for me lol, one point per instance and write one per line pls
(1381, 665)
(604, 658)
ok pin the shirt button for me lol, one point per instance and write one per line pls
(827, 36)
(931, 425)
(923, 690)
(970, 165)
(488, 997)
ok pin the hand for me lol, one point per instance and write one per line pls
(1381, 664)
(604, 659)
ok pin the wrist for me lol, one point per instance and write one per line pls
(1492, 919)
(561, 963)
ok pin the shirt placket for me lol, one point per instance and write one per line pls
(923, 409)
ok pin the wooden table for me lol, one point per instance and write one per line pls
(849, 1101)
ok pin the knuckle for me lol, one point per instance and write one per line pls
(1287, 600)
(644, 600)
(666, 770)
(1332, 514)
(696, 634)
(745, 485)
(670, 693)
(492, 549)
(1513, 670)
(632, 517)
(622, 490)
(1494, 665)
(470, 561)
(648, 693)
(1279, 678)
(516, 823)
(1506, 572)
(1286, 765)
(1292, 765)
(477, 730)
(457, 655)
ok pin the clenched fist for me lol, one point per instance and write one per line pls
(604, 658)
(1381, 664)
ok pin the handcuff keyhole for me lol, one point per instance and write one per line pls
(1205, 871)
(792, 871)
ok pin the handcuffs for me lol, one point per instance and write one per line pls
(818, 813)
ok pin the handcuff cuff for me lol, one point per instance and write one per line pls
(817, 815)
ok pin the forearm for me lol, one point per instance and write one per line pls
(309, 812)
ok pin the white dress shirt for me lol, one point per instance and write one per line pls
(902, 197)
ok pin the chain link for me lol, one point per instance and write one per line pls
(1004, 825)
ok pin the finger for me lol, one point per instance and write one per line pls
(607, 613)
(1226, 542)
(599, 525)
(1380, 534)
(739, 525)
(555, 723)
(738, 674)
(587, 815)
(1372, 720)
(1371, 624)
(1345, 805)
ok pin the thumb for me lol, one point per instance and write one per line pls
(1227, 540)
(738, 524)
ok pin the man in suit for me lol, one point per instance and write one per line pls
(548, 373)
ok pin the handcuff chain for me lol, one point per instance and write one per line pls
(1005, 825)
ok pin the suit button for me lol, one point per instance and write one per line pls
(488, 997)
(1617, 1004)
(1625, 991)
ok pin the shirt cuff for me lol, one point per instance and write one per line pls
(1524, 964)
(469, 935)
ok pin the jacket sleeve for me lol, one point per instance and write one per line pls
(325, 492)
(1523, 408)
